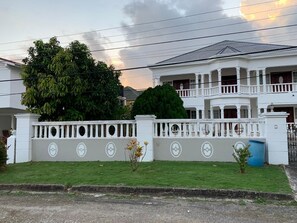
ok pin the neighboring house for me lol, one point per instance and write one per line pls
(232, 79)
(10, 94)
(130, 95)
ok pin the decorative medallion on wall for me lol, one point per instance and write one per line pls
(52, 149)
(239, 145)
(175, 149)
(110, 149)
(207, 150)
(81, 149)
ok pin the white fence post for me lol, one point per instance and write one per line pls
(145, 133)
(24, 136)
(11, 147)
(276, 137)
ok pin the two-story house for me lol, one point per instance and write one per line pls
(11, 87)
(233, 79)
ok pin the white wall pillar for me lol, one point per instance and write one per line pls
(145, 133)
(276, 137)
(238, 79)
(24, 134)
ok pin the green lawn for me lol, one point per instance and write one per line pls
(159, 173)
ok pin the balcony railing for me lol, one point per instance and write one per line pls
(243, 89)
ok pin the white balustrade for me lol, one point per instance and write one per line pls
(187, 128)
(87, 129)
(244, 89)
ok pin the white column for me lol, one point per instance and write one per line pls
(197, 113)
(12, 125)
(196, 84)
(258, 81)
(276, 137)
(222, 112)
(211, 112)
(24, 136)
(248, 77)
(220, 80)
(238, 111)
(145, 133)
(156, 81)
(238, 79)
(202, 84)
(202, 114)
(210, 80)
(249, 111)
(264, 79)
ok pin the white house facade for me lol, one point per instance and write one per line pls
(11, 88)
(232, 79)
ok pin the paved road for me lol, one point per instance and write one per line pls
(50, 208)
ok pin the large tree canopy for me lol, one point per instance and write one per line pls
(162, 101)
(67, 83)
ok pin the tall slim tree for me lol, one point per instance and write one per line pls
(67, 83)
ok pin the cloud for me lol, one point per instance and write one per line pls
(145, 11)
(95, 41)
(271, 14)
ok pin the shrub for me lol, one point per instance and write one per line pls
(3, 155)
(136, 153)
(241, 156)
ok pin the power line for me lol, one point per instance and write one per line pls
(196, 38)
(192, 30)
(144, 23)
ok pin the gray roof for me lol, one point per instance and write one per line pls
(224, 49)
(131, 94)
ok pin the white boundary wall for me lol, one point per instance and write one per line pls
(185, 139)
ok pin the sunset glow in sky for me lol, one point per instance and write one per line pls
(106, 24)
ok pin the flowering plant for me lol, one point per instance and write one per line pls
(136, 153)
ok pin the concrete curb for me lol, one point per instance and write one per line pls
(156, 191)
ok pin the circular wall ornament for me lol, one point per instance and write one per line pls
(81, 149)
(110, 149)
(175, 149)
(239, 145)
(52, 149)
(207, 150)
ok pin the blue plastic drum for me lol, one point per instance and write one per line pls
(257, 150)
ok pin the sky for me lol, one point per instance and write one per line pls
(113, 29)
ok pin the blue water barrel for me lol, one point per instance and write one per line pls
(257, 150)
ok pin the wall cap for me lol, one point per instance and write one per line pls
(145, 117)
(275, 115)
(27, 115)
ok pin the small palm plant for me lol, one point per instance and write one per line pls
(241, 156)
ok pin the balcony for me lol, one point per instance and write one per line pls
(235, 90)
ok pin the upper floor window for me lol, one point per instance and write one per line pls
(295, 76)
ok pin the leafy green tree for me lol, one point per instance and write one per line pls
(162, 101)
(67, 83)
